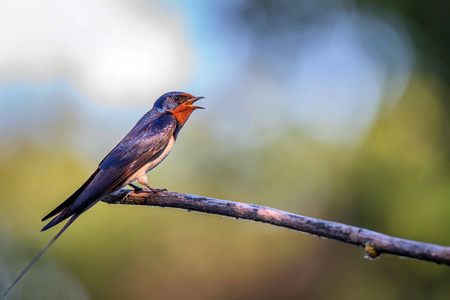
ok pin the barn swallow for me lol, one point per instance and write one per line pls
(142, 149)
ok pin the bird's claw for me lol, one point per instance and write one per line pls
(157, 190)
(154, 191)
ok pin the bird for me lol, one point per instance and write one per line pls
(143, 148)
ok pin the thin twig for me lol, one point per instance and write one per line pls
(373, 242)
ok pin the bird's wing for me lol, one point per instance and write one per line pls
(142, 143)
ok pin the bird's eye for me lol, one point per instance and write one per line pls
(176, 98)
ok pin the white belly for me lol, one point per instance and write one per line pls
(152, 163)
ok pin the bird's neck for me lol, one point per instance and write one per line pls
(182, 113)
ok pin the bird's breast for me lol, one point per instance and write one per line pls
(152, 162)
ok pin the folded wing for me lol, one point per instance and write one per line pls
(138, 147)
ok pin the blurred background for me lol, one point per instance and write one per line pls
(335, 109)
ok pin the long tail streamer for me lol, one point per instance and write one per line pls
(40, 253)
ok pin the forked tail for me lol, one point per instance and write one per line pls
(42, 252)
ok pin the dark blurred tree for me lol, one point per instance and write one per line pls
(429, 25)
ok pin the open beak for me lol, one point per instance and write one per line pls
(192, 101)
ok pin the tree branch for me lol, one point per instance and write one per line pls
(373, 242)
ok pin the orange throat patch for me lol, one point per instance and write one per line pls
(182, 113)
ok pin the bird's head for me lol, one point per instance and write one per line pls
(179, 104)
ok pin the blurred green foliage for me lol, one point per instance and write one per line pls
(396, 183)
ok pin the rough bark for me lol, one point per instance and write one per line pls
(374, 243)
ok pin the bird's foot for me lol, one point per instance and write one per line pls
(155, 190)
